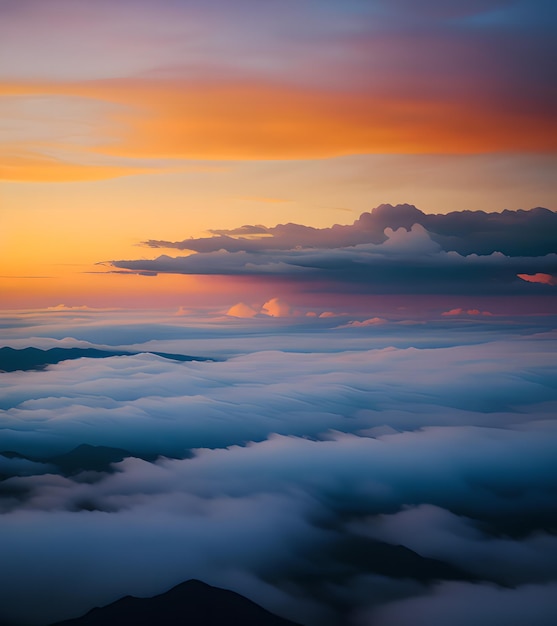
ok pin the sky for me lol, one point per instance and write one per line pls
(347, 210)
(135, 122)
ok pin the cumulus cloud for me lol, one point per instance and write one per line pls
(339, 482)
(241, 310)
(513, 233)
(372, 256)
(275, 307)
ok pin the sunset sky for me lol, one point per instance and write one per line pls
(278, 308)
(137, 121)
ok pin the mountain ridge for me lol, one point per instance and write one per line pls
(191, 603)
(26, 359)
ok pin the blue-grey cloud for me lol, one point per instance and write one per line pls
(513, 233)
(462, 604)
(349, 484)
(408, 259)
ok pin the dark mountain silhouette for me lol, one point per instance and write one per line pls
(84, 458)
(394, 561)
(12, 360)
(192, 603)
(89, 458)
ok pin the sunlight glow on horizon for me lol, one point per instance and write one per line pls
(138, 121)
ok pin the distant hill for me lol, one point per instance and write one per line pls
(82, 458)
(192, 603)
(12, 360)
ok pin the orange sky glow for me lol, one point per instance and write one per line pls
(167, 123)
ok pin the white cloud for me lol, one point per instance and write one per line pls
(302, 460)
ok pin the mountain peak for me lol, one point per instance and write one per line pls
(192, 602)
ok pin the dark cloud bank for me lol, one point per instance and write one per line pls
(391, 250)
(358, 484)
(513, 233)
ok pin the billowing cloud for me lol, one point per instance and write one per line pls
(241, 310)
(275, 307)
(405, 258)
(331, 480)
(513, 233)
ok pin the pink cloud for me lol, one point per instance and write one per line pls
(241, 310)
(275, 307)
(545, 279)
(461, 311)
(373, 321)
(183, 311)
(63, 307)
(332, 314)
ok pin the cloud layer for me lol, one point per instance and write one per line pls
(353, 485)
(295, 80)
(392, 250)
(513, 233)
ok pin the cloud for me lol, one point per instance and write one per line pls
(437, 533)
(275, 307)
(125, 272)
(372, 321)
(462, 604)
(513, 233)
(182, 311)
(329, 314)
(544, 279)
(242, 231)
(63, 307)
(241, 310)
(459, 311)
(407, 261)
(329, 478)
(311, 98)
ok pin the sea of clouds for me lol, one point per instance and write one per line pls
(336, 474)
